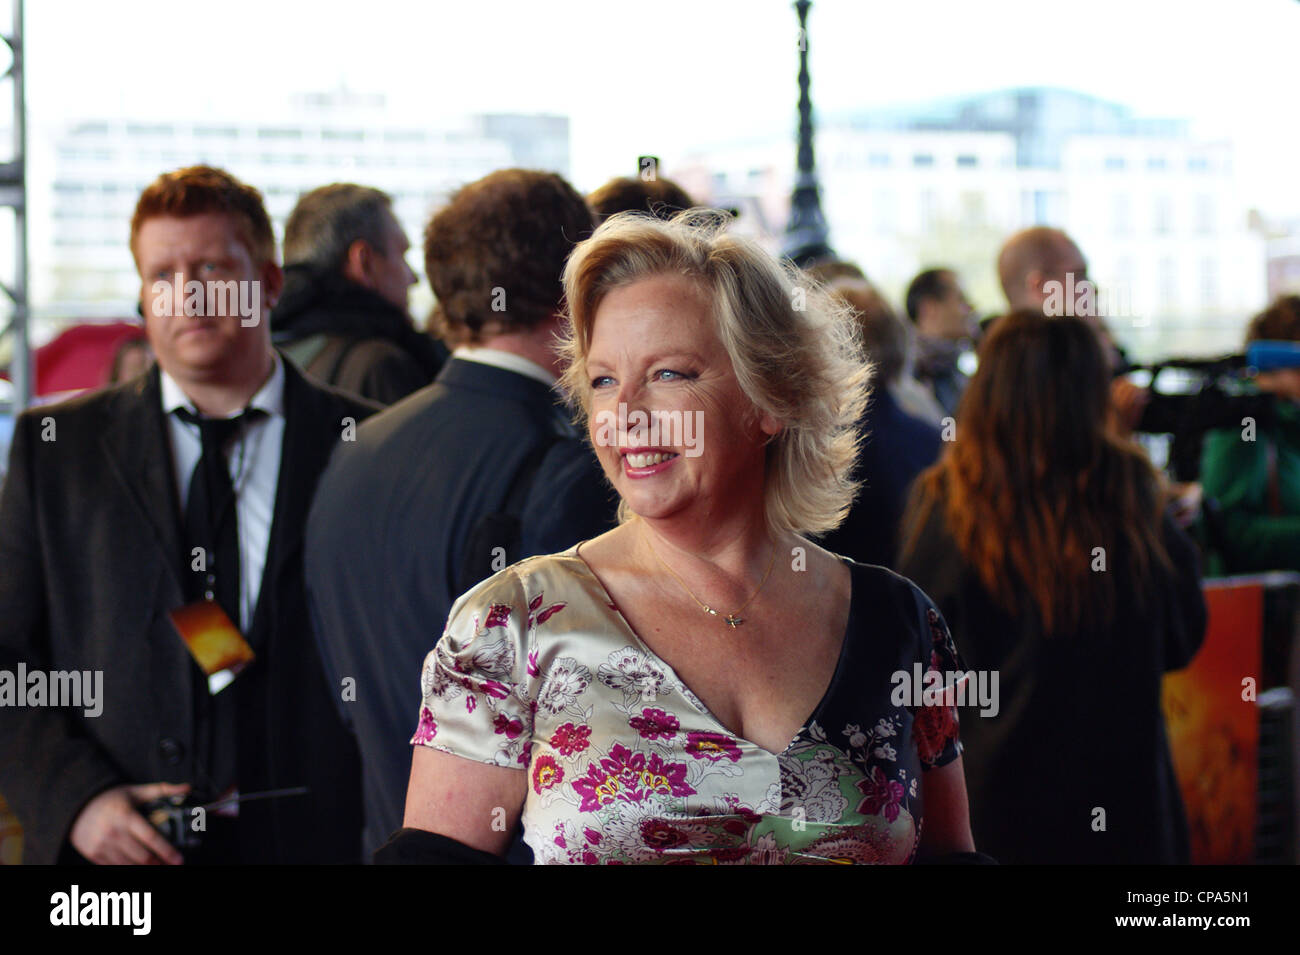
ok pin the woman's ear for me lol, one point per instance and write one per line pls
(769, 425)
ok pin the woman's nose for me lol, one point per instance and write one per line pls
(631, 394)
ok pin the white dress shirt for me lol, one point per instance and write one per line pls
(507, 360)
(254, 462)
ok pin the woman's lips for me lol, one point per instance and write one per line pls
(638, 464)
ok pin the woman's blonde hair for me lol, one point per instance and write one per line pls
(795, 350)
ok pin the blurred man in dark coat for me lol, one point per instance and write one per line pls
(460, 479)
(343, 316)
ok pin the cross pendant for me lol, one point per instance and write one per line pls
(733, 621)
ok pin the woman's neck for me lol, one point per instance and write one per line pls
(714, 556)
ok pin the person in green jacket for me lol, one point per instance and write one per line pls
(1255, 474)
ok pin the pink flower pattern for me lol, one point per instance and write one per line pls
(712, 746)
(654, 724)
(570, 739)
(427, 729)
(504, 724)
(631, 777)
(498, 616)
(547, 773)
(881, 796)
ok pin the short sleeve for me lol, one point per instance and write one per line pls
(475, 688)
(935, 723)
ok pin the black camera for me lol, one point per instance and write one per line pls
(175, 820)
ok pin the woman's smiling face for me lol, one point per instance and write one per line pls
(670, 424)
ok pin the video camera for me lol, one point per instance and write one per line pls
(174, 816)
(1190, 396)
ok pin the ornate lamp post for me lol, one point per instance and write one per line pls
(807, 237)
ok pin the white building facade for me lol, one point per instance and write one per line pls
(80, 260)
(1156, 211)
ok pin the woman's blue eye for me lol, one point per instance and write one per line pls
(668, 371)
(596, 382)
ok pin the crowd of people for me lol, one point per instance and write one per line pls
(667, 532)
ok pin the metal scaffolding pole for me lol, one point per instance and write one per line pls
(13, 195)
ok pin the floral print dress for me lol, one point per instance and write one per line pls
(538, 670)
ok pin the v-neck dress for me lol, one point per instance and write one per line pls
(538, 670)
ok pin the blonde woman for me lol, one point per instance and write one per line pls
(701, 684)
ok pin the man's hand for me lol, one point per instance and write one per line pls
(1186, 502)
(1128, 401)
(109, 831)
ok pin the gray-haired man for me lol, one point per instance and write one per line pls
(343, 317)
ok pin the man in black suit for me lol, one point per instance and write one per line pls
(476, 471)
(186, 486)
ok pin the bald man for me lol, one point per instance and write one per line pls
(1038, 263)
(1033, 258)
(1041, 263)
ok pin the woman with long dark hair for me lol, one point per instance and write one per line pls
(1041, 536)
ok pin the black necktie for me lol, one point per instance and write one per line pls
(210, 516)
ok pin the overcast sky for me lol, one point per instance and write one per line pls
(665, 76)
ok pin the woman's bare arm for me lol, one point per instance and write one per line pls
(945, 828)
(474, 803)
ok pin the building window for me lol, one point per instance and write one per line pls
(1163, 218)
(1198, 164)
(1122, 215)
(967, 161)
(1044, 207)
(1115, 163)
(928, 208)
(879, 161)
(1168, 285)
(885, 210)
(1156, 163)
(922, 160)
(137, 129)
(1209, 284)
(404, 136)
(1205, 217)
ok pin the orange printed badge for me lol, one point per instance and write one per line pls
(215, 643)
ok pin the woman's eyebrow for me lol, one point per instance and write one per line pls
(654, 358)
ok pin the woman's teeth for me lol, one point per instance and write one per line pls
(648, 460)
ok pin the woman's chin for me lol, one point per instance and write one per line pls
(653, 508)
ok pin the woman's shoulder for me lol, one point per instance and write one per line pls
(561, 569)
(532, 587)
(889, 587)
(882, 598)
(893, 616)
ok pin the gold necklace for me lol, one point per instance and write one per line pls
(732, 620)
